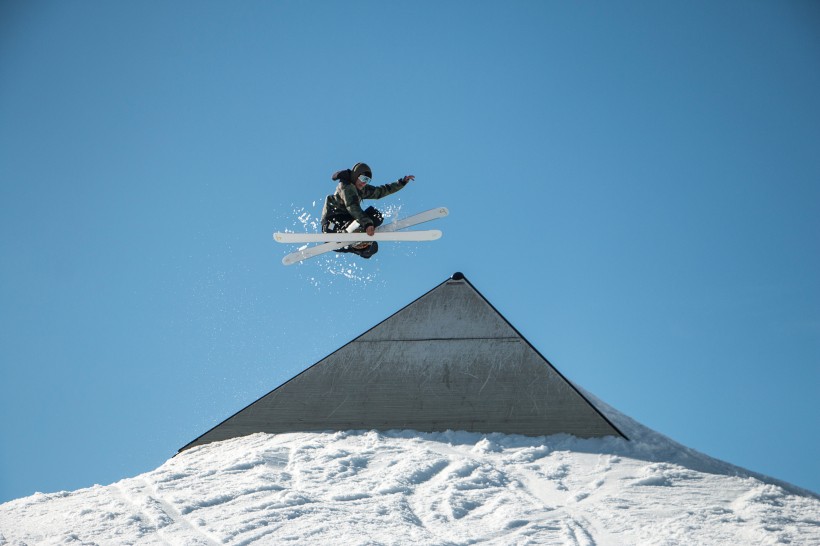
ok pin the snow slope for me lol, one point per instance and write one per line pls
(405, 487)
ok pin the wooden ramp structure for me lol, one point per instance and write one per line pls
(446, 361)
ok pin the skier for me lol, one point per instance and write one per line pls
(344, 206)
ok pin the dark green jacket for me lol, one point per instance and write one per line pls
(347, 199)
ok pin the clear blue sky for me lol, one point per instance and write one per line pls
(634, 185)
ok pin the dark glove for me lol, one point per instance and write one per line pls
(344, 175)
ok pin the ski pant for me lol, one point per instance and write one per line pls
(339, 222)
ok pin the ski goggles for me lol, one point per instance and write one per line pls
(364, 179)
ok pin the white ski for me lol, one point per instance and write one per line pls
(401, 223)
(425, 235)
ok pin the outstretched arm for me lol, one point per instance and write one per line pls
(377, 192)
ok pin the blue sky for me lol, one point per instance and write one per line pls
(635, 186)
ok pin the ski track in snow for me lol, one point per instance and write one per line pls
(402, 487)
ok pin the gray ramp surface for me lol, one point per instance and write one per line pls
(447, 361)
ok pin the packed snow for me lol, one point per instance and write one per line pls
(405, 487)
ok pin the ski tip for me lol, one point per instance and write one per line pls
(444, 211)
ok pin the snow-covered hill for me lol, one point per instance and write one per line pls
(403, 487)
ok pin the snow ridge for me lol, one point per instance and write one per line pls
(405, 487)
(649, 445)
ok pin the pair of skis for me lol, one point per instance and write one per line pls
(334, 241)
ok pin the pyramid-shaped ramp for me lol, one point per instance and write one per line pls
(447, 361)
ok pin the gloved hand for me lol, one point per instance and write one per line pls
(406, 179)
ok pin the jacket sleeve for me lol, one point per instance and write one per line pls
(353, 204)
(377, 192)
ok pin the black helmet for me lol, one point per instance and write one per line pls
(361, 169)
